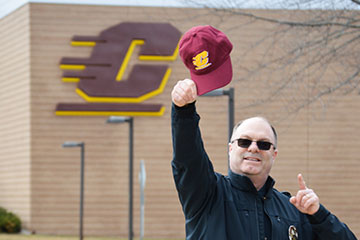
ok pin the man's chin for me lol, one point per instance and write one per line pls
(250, 171)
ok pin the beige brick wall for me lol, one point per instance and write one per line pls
(56, 170)
(319, 142)
(15, 149)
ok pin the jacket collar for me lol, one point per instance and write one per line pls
(244, 183)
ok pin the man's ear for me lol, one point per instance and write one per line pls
(230, 148)
(275, 153)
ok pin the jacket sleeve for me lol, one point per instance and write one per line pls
(327, 226)
(192, 170)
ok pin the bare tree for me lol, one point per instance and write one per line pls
(312, 47)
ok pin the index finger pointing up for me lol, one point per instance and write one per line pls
(301, 181)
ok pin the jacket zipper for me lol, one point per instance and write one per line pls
(257, 219)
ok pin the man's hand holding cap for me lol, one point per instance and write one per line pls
(184, 92)
(205, 51)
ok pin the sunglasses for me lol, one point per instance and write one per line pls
(245, 143)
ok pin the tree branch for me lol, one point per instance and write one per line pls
(290, 23)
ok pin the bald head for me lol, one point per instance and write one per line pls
(255, 124)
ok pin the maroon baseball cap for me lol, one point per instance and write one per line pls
(205, 51)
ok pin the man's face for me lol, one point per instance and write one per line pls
(252, 161)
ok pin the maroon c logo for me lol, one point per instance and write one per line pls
(101, 76)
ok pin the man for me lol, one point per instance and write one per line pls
(244, 204)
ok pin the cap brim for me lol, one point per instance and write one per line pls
(218, 78)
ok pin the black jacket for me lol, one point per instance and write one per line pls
(218, 207)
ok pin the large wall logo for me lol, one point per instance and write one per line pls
(100, 77)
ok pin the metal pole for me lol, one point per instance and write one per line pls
(230, 94)
(142, 179)
(131, 147)
(82, 163)
(130, 120)
(231, 111)
(82, 190)
(231, 114)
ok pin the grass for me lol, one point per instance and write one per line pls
(48, 237)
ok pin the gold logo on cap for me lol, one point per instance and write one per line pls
(293, 234)
(201, 60)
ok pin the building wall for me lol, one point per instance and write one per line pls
(56, 171)
(15, 131)
(315, 141)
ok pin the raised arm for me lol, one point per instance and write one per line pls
(193, 172)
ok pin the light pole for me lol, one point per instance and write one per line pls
(142, 180)
(118, 119)
(230, 93)
(82, 147)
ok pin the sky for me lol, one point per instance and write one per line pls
(8, 6)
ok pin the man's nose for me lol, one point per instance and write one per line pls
(253, 147)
